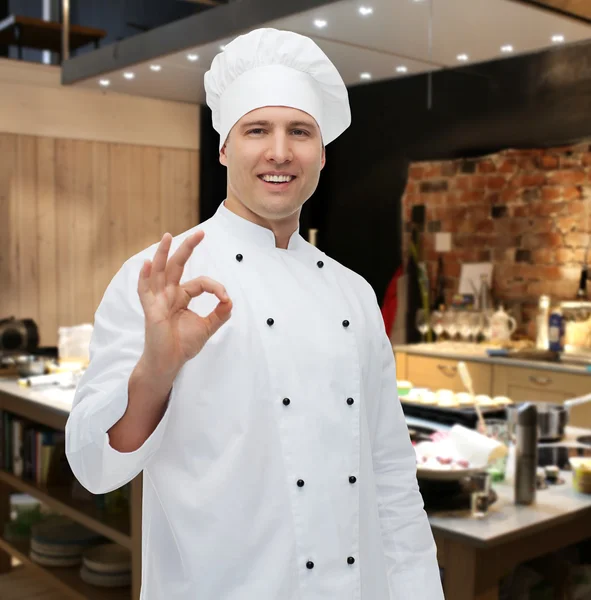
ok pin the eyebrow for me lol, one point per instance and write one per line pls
(249, 124)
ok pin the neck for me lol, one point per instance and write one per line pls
(282, 229)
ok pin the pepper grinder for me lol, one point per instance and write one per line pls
(526, 454)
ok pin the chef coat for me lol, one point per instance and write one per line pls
(282, 468)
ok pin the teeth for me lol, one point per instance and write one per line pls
(277, 178)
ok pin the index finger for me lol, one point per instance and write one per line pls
(176, 263)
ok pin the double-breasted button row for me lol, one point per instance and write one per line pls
(301, 482)
(287, 401)
(350, 561)
(271, 321)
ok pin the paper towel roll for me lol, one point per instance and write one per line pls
(478, 449)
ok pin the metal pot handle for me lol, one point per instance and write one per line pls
(576, 401)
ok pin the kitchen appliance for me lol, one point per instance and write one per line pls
(18, 336)
(577, 327)
(559, 455)
(552, 418)
(526, 454)
(449, 495)
(463, 415)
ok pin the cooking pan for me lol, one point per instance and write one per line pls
(552, 418)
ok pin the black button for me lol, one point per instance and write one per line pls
(310, 564)
(300, 483)
(350, 401)
(352, 479)
(345, 323)
(286, 401)
(270, 322)
(320, 264)
(239, 257)
(350, 560)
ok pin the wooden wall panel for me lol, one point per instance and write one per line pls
(72, 212)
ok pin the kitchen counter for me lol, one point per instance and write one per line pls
(507, 521)
(477, 353)
(51, 396)
(477, 553)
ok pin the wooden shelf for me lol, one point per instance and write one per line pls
(116, 528)
(66, 579)
(23, 583)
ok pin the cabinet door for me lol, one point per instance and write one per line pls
(401, 372)
(442, 373)
(523, 384)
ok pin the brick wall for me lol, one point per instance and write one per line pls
(527, 211)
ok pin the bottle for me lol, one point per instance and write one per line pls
(543, 323)
(526, 454)
(439, 299)
(556, 331)
(582, 291)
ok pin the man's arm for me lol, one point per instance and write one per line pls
(103, 395)
(411, 554)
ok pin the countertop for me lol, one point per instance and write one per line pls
(51, 396)
(506, 520)
(477, 353)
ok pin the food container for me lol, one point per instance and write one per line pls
(581, 468)
(577, 326)
(552, 418)
(29, 364)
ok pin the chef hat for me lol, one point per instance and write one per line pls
(268, 67)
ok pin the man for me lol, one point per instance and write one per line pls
(263, 413)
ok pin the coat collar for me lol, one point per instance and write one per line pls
(246, 231)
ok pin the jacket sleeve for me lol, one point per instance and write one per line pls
(411, 554)
(101, 396)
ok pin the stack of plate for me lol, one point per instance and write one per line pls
(107, 565)
(60, 542)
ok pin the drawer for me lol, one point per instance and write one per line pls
(401, 371)
(442, 373)
(539, 385)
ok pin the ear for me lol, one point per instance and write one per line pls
(223, 156)
(323, 159)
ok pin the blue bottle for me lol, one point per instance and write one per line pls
(556, 331)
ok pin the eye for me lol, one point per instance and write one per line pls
(255, 131)
(300, 132)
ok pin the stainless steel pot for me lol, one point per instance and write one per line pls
(552, 418)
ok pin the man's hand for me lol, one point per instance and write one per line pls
(175, 334)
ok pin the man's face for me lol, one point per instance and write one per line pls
(273, 143)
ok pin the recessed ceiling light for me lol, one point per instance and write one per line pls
(192, 57)
(462, 57)
(364, 11)
(155, 67)
(365, 75)
(320, 23)
(104, 82)
(402, 69)
(557, 39)
(507, 48)
(128, 75)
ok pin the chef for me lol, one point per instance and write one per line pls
(250, 377)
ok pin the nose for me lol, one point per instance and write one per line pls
(279, 150)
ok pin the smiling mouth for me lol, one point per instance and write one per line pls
(276, 179)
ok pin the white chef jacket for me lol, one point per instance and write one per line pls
(282, 468)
